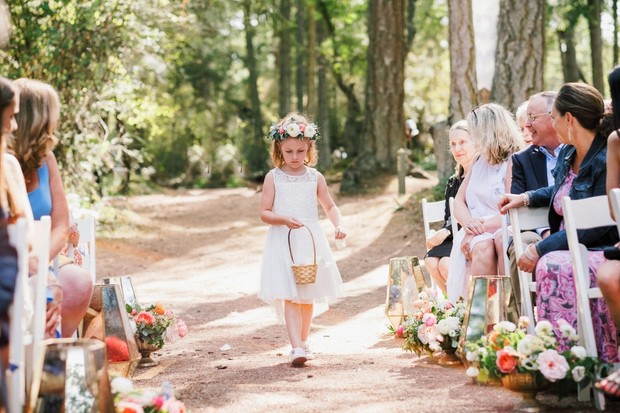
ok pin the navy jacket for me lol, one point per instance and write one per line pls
(589, 182)
(529, 170)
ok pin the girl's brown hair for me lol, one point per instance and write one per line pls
(37, 120)
(277, 157)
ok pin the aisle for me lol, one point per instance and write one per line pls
(199, 252)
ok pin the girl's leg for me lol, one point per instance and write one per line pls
(444, 263)
(608, 276)
(483, 258)
(432, 265)
(78, 288)
(306, 320)
(499, 253)
(293, 319)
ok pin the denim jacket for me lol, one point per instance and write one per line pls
(589, 182)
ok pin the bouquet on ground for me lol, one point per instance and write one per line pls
(128, 399)
(434, 325)
(156, 325)
(509, 349)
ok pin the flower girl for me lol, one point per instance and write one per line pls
(289, 206)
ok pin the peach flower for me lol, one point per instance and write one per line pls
(505, 362)
(144, 317)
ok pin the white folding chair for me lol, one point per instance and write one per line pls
(505, 242)
(455, 224)
(86, 245)
(15, 371)
(614, 197)
(432, 212)
(18, 374)
(526, 219)
(578, 215)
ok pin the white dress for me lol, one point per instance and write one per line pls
(487, 184)
(296, 196)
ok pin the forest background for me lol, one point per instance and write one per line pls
(182, 93)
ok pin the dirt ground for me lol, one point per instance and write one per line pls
(199, 252)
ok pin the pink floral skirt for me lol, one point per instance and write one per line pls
(556, 299)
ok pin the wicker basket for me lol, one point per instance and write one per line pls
(304, 274)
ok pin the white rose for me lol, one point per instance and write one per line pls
(578, 373)
(505, 327)
(579, 352)
(530, 344)
(310, 131)
(472, 372)
(471, 356)
(544, 327)
(121, 385)
(567, 330)
(292, 130)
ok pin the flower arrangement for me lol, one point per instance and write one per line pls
(128, 399)
(508, 348)
(156, 325)
(293, 129)
(435, 324)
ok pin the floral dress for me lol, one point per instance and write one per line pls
(556, 294)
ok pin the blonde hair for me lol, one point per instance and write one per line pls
(494, 132)
(37, 120)
(7, 97)
(277, 157)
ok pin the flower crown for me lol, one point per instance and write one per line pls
(293, 129)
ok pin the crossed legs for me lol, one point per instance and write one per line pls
(438, 268)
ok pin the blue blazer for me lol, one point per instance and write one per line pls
(529, 170)
(589, 182)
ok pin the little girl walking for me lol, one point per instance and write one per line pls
(289, 203)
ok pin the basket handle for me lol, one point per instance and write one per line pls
(289, 244)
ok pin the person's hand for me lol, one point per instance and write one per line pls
(292, 223)
(466, 246)
(437, 238)
(509, 201)
(474, 226)
(528, 260)
(340, 232)
(53, 311)
(74, 235)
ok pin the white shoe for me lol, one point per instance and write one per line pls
(309, 353)
(298, 357)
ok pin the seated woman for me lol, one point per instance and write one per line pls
(440, 243)
(32, 144)
(578, 113)
(496, 137)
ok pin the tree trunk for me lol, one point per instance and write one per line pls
(614, 6)
(385, 120)
(463, 84)
(300, 69)
(284, 58)
(311, 68)
(570, 67)
(596, 44)
(325, 159)
(411, 28)
(353, 126)
(255, 154)
(520, 52)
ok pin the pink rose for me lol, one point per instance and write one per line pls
(505, 362)
(134, 312)
(281, 130)
(128, 407)
(146, 318)
(448, 306)
(400, 330)
(552, 365)
(158, 402)
(182, 327)
(429, 319)
(302, 127)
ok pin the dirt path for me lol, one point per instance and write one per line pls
(199, 252)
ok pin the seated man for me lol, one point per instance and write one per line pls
(531, 168)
